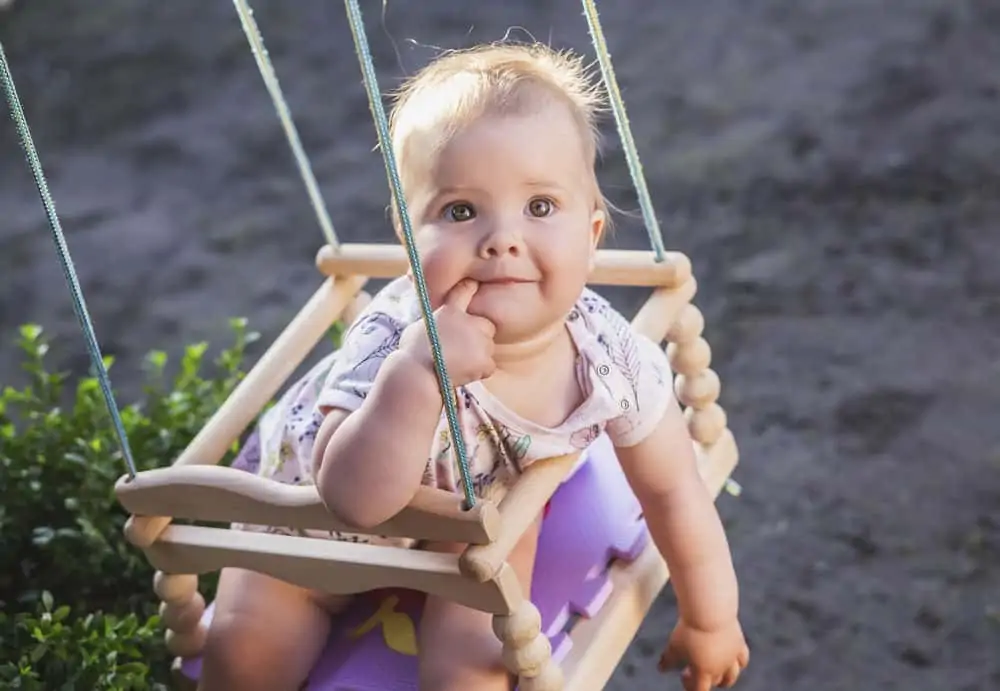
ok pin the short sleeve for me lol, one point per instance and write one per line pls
(366, 345)
(646, 387)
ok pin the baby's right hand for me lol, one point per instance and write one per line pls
(466, 340)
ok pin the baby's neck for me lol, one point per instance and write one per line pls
(526, 356)
(536, 378)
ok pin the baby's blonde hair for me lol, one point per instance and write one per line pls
(462, 86)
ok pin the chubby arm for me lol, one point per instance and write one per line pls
(369, 464)
(683, 522)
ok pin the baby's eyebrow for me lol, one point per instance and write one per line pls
(544, 184)
(452, 189)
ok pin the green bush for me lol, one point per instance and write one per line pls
(52, 649)
(77, 609)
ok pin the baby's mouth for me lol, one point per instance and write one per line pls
(505, 281)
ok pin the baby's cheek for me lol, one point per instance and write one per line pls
(436, 291)
(439, 276)
(566, 280)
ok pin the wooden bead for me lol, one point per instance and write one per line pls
(700, 390)
(519, 628)
(175, 588)
(183, 616)
(688, 326)
(551, 679)
(691, 357)
(528, 660)
(189, 643)
(707, 424)
(477, 566)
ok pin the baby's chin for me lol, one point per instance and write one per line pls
(506, 314)
(520, 314)
(517, 329)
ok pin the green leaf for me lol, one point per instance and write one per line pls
(31, 332)
(38, 652)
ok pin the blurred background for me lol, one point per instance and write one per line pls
(831, 167)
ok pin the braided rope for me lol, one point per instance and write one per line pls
(624, 130)
(256, 41)
(392, 169)
(79, 303)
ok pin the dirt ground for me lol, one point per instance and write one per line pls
(831, 168)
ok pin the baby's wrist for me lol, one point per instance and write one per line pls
(415, 376)
(710, 613)
(720, 623)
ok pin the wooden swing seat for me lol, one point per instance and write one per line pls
(195, 488)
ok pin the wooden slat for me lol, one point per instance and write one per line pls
(660, 310)
(268, 375)
(222, 494)
(330, 566)
(257, 388)
(520, 508)
(613, 267)
(599, 643)
(717, 462)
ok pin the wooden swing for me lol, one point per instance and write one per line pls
(196, 488)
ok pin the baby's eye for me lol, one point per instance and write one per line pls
(459, 212)
(540, 207)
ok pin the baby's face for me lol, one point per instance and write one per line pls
(510, 203)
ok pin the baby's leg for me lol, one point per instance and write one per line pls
(458, 649)
(265, 633)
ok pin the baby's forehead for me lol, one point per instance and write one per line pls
(540, 147)
(547, 121)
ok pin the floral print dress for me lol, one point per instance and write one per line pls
(625, 378)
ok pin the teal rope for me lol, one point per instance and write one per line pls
(624, 130)
(382, 127)
(256, 41)
(79, 305)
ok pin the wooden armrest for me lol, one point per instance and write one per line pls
(518, 510)
(330, 566)
(219, 493)
(613, 267)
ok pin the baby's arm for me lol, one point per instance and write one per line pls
(369, 463)
(683, 522)
(658, 458)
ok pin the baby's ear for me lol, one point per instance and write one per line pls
(597, 221)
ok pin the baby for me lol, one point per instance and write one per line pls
(496, 147)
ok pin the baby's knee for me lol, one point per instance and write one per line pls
(459, 651)
(238, 654)
(454, 675)
(455, 668)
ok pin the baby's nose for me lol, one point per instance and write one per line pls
(499, 249)
(504, 240)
